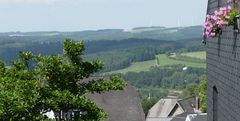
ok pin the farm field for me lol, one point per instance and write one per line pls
(199, 55)
(163, 61)
(137, 67)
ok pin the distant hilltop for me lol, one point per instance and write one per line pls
(153, 32)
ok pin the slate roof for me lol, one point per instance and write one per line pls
(181, 117)
(188, 104)
(122, 105)
(159, 119)
(200, 118)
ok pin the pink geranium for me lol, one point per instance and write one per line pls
(216, 21)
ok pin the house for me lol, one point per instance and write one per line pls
(124, 105)
(120, 105)
(164, 109)
(173, 109)
(223, 71)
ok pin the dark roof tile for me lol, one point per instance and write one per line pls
(122, 105)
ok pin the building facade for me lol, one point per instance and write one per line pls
(223, 70)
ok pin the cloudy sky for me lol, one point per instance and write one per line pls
(77, 15)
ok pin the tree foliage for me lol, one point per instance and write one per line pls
(191, 90)
(35, 84)
(147, 104)
(173, 77)
(194, 89)
(115, 54)
(203, 94)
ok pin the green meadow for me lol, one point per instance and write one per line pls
(164, 60)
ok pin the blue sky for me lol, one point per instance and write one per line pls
(78, 15)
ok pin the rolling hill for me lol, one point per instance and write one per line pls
(162, 33)
(164, 60)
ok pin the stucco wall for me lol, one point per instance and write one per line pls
(223, 69)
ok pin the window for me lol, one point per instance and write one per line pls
(215, 104)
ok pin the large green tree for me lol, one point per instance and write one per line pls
(35, 84)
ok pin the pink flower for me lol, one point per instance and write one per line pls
(216, 21)
(216, 12)
(214, 17)
(229, 7)
(207, 33)
(223, 9)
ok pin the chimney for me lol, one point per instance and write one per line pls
(197, 103)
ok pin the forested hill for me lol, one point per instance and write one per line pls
(115, 54)
(138, 44)
(120, 50)
(161, 33)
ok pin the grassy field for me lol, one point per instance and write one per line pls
(137, 67)
(199, 55)
(164, 60)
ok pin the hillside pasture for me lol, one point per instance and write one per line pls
(198, 55)
(164, 60)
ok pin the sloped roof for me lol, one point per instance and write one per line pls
(188, 104)
(124, 105)
(181, 117)
(200, 118)
(197, 117)
(162, 108)
(158, 119)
